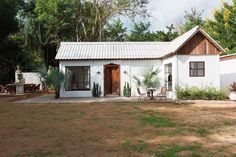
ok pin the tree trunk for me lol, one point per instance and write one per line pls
(57, 93)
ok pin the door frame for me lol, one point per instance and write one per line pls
(111, 65)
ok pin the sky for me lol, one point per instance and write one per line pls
(166, 12)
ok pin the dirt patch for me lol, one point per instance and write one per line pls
(116, 129)
(175, 139)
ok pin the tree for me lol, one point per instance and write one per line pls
(48, 22)
(11, 53)
(192, 19)
(222, 27)
(171, 34)
(115, 31)
(141, 32)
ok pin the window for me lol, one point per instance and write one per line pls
(197, 69)
(78, 78)
(168, 76)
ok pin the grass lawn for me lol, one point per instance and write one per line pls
(116, 130)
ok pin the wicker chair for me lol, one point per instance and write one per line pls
(37, 88)
(141, 95)
(3, 89)
(162, 93)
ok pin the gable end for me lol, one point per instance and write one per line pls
(198, 44)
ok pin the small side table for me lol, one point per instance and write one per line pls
(151, 93)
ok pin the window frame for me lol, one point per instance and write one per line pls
(168, 71)
(89, 77)
(197, 75)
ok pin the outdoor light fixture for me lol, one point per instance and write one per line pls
(98, 72)
(125, 72)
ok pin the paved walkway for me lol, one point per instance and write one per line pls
(49, 98)
(45, 99)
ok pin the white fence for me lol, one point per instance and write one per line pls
(227, 74)
(31, 78)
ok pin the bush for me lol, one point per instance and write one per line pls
(195, 93)
(96, 91)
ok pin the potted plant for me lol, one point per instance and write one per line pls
(232, 95)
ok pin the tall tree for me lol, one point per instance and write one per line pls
(222, 27)
(52, 21)
(171, 34)
(115, 31)
(192, 19)
(10, 52)
(141, 32)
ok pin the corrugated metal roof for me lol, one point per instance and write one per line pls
(122, 50)
(112, 50)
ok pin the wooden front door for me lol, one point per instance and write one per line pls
(112, 79)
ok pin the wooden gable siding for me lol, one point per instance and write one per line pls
(198, 45)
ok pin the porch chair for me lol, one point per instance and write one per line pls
(3, 89)
(37, 88)
(141, 95)
(162, 93)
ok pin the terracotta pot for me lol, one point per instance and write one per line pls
(232, 95)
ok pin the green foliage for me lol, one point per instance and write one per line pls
(115, 31)
(170, 35)
(45, 23)
(96, 91)
(141, 32)
(222, 26)
(147, 77)
(54, 79)
(129, 145)
(127, 90)
(157, 121)
(195, 93)
(192, 19)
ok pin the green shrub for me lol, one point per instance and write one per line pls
(96, 91)
(195, 93)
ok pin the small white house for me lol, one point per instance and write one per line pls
(192, 59)
(227, 72)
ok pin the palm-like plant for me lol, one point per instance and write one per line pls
(147, 77)
(54, 79)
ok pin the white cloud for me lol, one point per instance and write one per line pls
(166, 12)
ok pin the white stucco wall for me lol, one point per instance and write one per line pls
(212, 71)
(172, 60)
(180, 73)
(227, 74)
(130, 66)
(31, 78)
